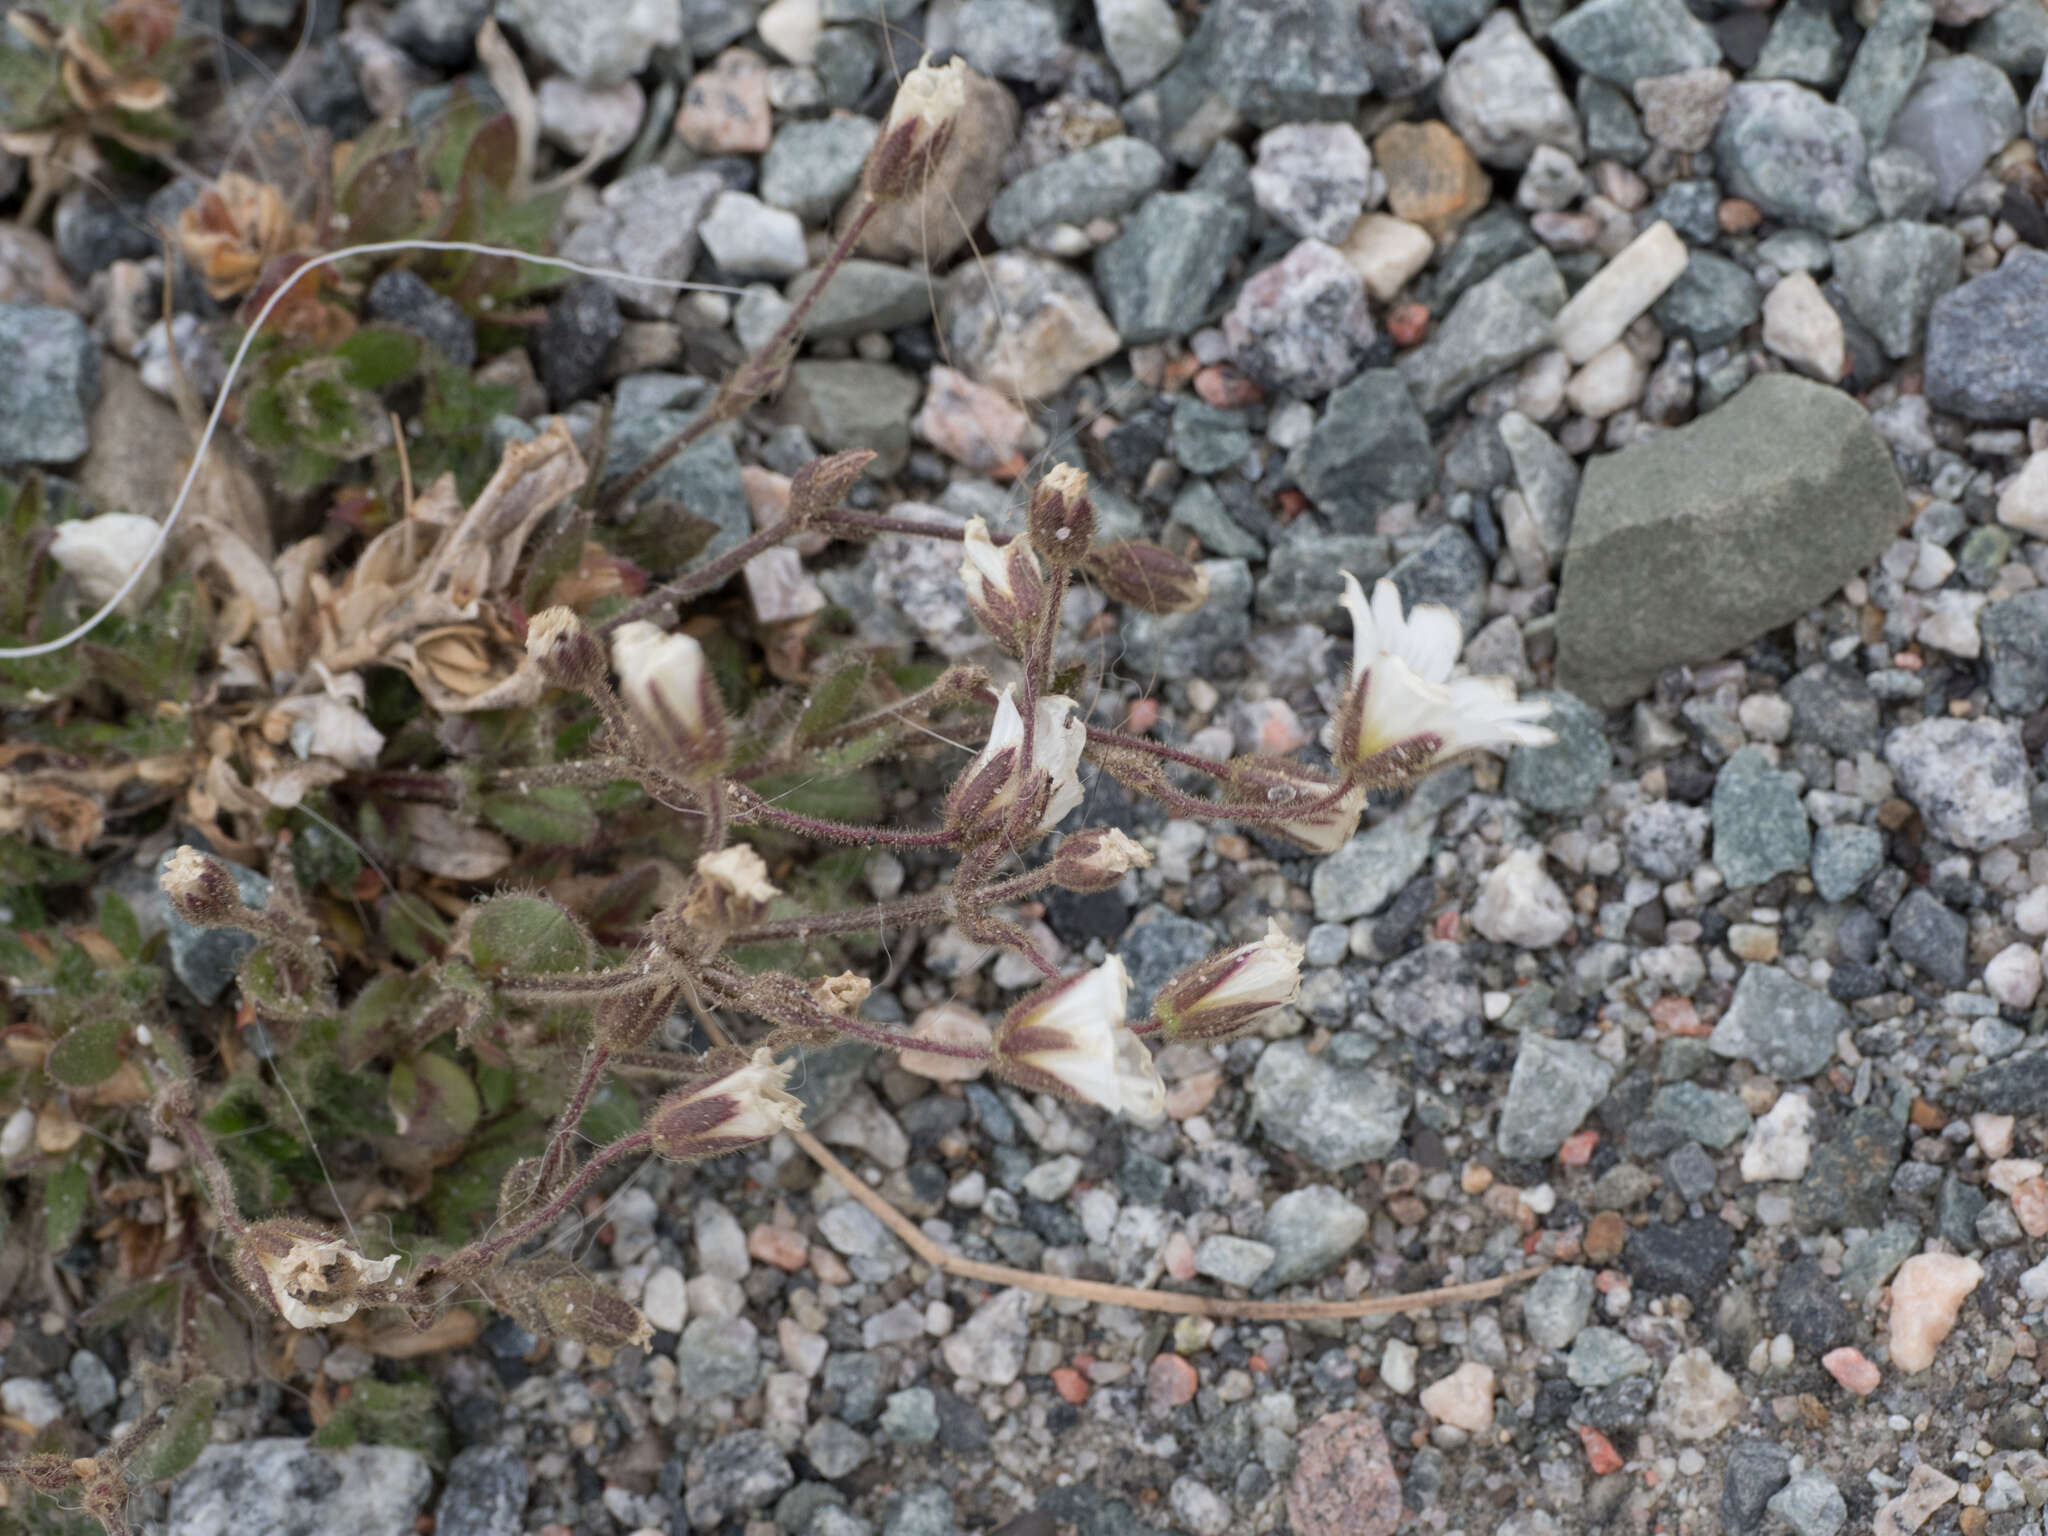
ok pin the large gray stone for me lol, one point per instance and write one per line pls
(1308, 1230)
(1625, 40)
(1961, 113)
(2016, 644)
(1495, 325)
(1760, 827)
(1967, 778)
(848, 403)
(1336, 1117)
(1694, 543)
(1782, 1026)
(1555, 1084)
(1101, 181)
(1369, 871)
(1887, 60)
(1370, 449)
(1796, 156)
(863, 296)
(1892, 273)
(1284, 61)
(49, 382)
(1987, 343)
(284, 1487)
(1158, 277)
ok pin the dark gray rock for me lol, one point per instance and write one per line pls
(400, 297)
(1431, 995)
(1756, 1470)
(849, 403)
(1796, 156)
(1714, 301)
(1309, 1229)
(1835, 707)
(1155, 947)
(1554, 1086)
(1844, 856)
(1447, 568)
(1931, 938)
(811, 167)
(1987, 343)
(1624, 40)
(1803, 45)
(1009, 39)
(1760, 827)
(705, 478)
(1284, 61)
(863, 296)
(1685, 1258)
(1807, 1303)
(1369, 449)
(1159, 276)
(1205, 643)
(1568, 774)
(1688, 546)
(1887, 62)
(1613, 130)
(279, 1486)
(2015, 635)
(1495, 325)
(1891, 274)
(740, 1470)
(1304, 579)
(1336, 1117)
(485, 1492)
(1302, 326)
(575, 341)
(1962, 111)
(1849, 1179)
(49, 383)
(1401, 53)
(1779, 1024)
(1206, 439)
(1101, 181)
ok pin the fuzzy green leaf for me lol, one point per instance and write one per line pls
(66, 1190)
(378, 356)
(388, 1413)
(526, 933)
(833, 700)
(553, 816)
(89, 1052)
(433, 1100)
(185, 1433)
(118, 923)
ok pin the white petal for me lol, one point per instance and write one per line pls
(1364, 639)
(1431, 641)
(1058, 741)
(1140, 1092)
(983, 565)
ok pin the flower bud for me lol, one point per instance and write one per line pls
(627, 1019)
(917, 132)
(1061, 518)
(821, 484)
(311, 1276)
(568, 655)
(1148, 578)
(1323, 825)
(726, 1112)
(1068, 1039)
(1005, 589)
(577, 1307)
(1225, 994)
(1096, 858)
(672, 697)
(201, 889)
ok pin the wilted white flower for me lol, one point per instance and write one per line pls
(670, 691)
(1324, 820)
(1068, 1038)
(314, 1278)
(1403, 713)
(99, 553)
(734, 888)
(1005, 587)
(917, 131)
(1096, 858)
(999, 785)
(726, 1113)
(1223, 994)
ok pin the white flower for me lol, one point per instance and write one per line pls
(996, 782)
(1068, 1038)
(1403, 700)
(301, 1274)
(668, 688)
(740, 871)
(99, 553)
(734, 1110)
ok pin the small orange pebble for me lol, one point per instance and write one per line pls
(1736, 215)
(1676, 1015)
(1256, 1363)
(1170, 1380)
(1408, 323)
(1577, 1150)
(1446, 924)
(1180, 370)
(1928, 1117)
(1070, 1384)
(1601, 1455)
(1908, 661)
(1144, 715)
(1224, 387)
(1475, 1178)
(784, 1247)
(1852, 1370)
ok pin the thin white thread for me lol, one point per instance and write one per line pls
(379, 248)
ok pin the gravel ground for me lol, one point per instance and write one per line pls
(1697, 356)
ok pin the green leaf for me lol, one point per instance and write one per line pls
(833, 701)
(89, 1052)
(553, 816)
(526, 933)
(376, 1412)
(838, 797)
(185, 1433)
(613, 1112)
(66, 1190)
(377, 356)
(330, 414)
(433, 1100)
(117, 922)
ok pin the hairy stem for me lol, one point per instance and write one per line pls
(1108, 738)
(213, 1173)
(750, 807)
